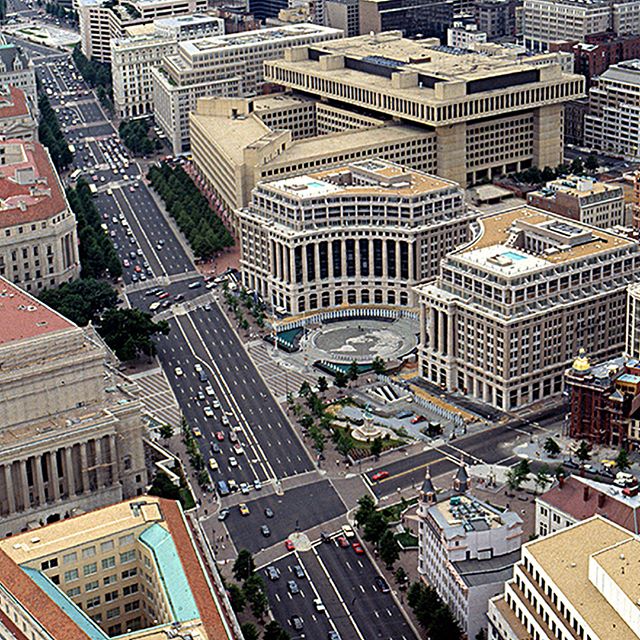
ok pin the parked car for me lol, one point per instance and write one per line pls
(273, 572)
(265, 531)
(293, 587)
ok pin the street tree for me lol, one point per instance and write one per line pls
(400, 575)
(352, 372)
(375, 527)
(305, 389)
(376, 447)
(323, 385)
(622, 460)
(378, 365)
(343, 443)
(273, 631)
(244, 566)
(341, 379)
(250, 631)
(584, 451)
(551, 447)
(254, 591)
(163, 487)
(236, 596)
(591, 164)
(543, 477)
(166, 431)
(577, 166)
(514, 480)
(366, 507)
(389, 548)
(130, 332)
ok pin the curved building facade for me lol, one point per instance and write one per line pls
(362, 233)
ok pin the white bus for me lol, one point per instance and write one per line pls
(93, 189)
(75, 174)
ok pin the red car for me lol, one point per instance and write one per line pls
(343, 542)
(381, 475)
(290, 546)
(357, 547)
(219, 436)
(417, 419)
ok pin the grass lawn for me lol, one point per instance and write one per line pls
(407, 539)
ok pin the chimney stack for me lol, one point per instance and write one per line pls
(601, 499)
(560, 481)
(585, 494)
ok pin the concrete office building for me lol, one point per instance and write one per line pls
(237, 143)
(632, 347)
(17, 69)
(492, 112)
(613, 122)
(549, 21)
(231, 65)
(70, 440)
(575, 499)
(466, 549)
(496, 18)
(344, 15)
(584, 199)
(464, 35)
(362, 233)
(510, 310)
(38, 241)
(134, 568)
(104, 20)
(133, 57)
(580, 582)
(17, 120)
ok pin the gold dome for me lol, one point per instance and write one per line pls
(581, 363)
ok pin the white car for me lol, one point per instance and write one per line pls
(225, 420)
(237, 449)
(233, 462)
(317, 603)
(209, 391)
(178, 371)
(197, 367)
(216, 404)
(208, 412)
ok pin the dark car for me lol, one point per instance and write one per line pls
(265, 531)
(268, 512)
(299, 571)
(215, 447)
(273, 572)
(297, 622)
(293, 587)
(381, 583)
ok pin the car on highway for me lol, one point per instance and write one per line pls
(381, 475)
(342, 542)
(293, 587)
(273, 573)
(233, 485)
(225, 420)
(178, 371)
(197, 367)
(257, 485)
(348, 531)
(208, 412)
(298, 571)
(297, 622)
(137, 268)
(233, 437)
(289, 545)
(199, 395)
(219, 436)
(213, 464)
(215, 447)
(162, 295)
(233, 462)
(126, 264)
(196, 432)
(265, 531)
(224, 514)
(244, 510)
(245, 488)
(382, 584)
(209, 390)
(194, 285)
(268, 512)
(357, 547)
(216, 404)
(237, 449)
(417, 419)
(318, 604)
(333, 635)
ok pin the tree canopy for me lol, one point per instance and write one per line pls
(50, 134)
(81, 301)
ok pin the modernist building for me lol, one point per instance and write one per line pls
(575, 499)
(363, 233)
(133, 568)
(613, 122)
(466, 549)
(17, 120)
(492, 112)
(38, 241)
(70, 440)
(17, 69)
(231, 65)
(547, 21)
(133, 57)
(580, 582)
(496, 18)
(632, 347)
(463, 35)
(510, 310)
(104, 20)
(237, 143)
(344, 15)
(584, 199)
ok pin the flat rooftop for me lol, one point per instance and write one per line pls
(23, 316)
(564, 556)
(576, 186)
(462, 514)
(382, 177)
(494, 249)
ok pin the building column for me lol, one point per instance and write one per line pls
(99, 464)
(8, 483)
(83, 467)
(385, 259)
(39, 481)
(113, 460)
(69, 473)
(305, 270)
(547, 136)
(450, 334)
(451, 142)
(25, 484)
(343, 253)
(398, 270)
(54, 479)
(441, 333)
(356, 252)
(372, 267)
(316, 258)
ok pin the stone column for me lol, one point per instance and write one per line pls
(113, 461)
(54, 482)
(39, 481)
(451, 152)
(385, 259)
(356, 252)
(441, 333)
(343, 253)
(99, 463)
(372, 267)
(398, 270)
(305, 270)
(316, 258)
(547, 136)
(450, 333)
(8, 483)
(83, 467)
(25, 484)
(69, 472)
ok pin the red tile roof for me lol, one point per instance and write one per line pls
(44, 201)
(570, 499)
(206, 603)
(37, 602)
(22, 316)
(12, 102)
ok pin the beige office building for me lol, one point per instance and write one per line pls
(230, 65)
(133, 57)
(104, 20)
(361, 233)
(38, 240)
(493, 112)
(70, 440)
(578, 583)
(237, 143)
(510, 310)
(17, 120)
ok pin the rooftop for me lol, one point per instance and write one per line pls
(12, 102)
(30, 189)
(576, 186)
(22, 316)
(564, 556)
(509, 242)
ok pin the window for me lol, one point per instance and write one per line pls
(127, 556)
(111, 596)
(70, 558)
(124, 540)
(113, 613)
(129, 573)
(132, 606)
(132, 588)
(109, 563)
(91, 586)
(92, 603)
(49, 564)
(89, 552)
(110, 580)
(106, 546)
(73, 592)
(90, 569)
(70, 576)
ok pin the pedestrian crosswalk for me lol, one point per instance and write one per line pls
(157, 397)
(281, 378)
